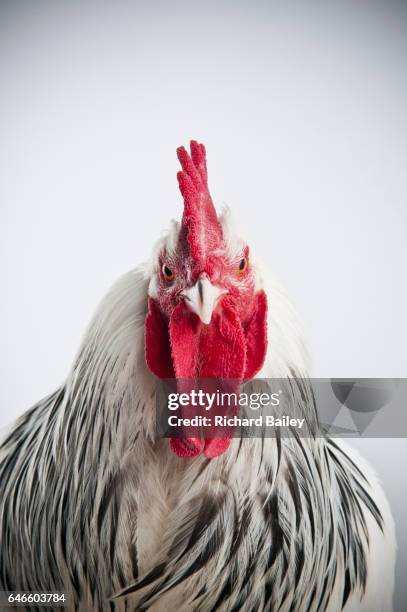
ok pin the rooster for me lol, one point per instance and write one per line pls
(94, 503)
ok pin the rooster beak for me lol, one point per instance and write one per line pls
(202, 298)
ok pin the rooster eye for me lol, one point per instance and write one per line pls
(242, 265)
(167, 273)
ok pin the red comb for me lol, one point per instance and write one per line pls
(200, 220)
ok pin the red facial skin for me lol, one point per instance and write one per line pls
(220, 270)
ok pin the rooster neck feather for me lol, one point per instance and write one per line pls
(91, 492)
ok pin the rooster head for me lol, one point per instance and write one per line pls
(206, 313)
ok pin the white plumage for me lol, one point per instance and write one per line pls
(94, 504)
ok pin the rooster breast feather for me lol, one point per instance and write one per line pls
(93, 504)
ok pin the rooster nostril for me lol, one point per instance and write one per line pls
(200, 291)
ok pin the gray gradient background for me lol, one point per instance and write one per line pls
(302, 107)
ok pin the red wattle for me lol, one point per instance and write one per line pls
(214, 351)
(186, 448)
(224, 350)
(157, 342)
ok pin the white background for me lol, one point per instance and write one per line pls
(302, 107)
